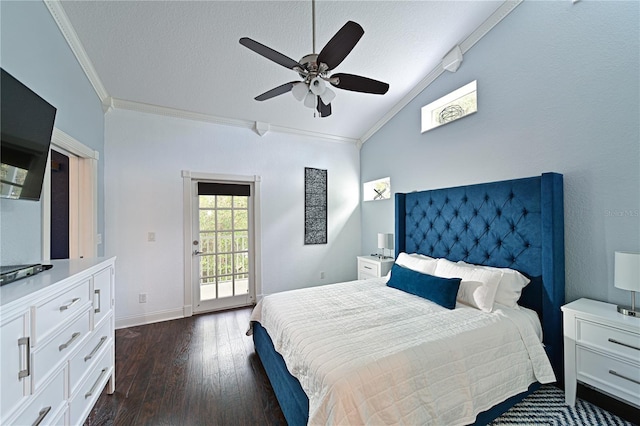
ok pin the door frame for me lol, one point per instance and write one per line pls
(188, 193)
(83, 198)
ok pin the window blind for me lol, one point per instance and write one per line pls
(213, 188)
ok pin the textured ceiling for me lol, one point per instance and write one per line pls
(185, 55)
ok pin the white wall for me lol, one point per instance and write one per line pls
(558, 90)
(145, 154)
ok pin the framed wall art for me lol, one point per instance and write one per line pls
(457, 104)
(315, 206)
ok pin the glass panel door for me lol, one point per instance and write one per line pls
(222, 252)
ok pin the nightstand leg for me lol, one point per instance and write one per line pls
(570, 389)
(570, 373)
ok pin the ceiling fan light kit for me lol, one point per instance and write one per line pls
(300, 90)
(310, 100)
(314, 70)
(317, 86)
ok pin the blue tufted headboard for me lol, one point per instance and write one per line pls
(517, 224)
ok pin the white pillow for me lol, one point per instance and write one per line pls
(417, 262)
(478, 286)
(510, 286)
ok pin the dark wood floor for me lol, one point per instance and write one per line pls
(200, 370)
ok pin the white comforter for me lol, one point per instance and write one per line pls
(365, 353)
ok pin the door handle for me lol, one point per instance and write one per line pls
(197, 252)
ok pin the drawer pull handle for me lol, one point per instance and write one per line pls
(64, 346)
(97, 310)
(615, 373)
(367, 267)
(24, 341)
(623, 344)
(95, 385)
(70, 304)
(93, 352)
(41, 415)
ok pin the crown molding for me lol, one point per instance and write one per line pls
(496, 17)
(109, 103)
(115, 103)
(69, 33)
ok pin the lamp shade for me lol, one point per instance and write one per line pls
(317, 86)
(310, 100)
(300, 90)
(627, 271)
(327, 96)
(385, 241)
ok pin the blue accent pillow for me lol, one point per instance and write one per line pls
(442, 291)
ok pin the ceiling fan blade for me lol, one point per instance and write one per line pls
(324, 110)
(357, 83)
(269, 53)
(340, 45)
(284, 88)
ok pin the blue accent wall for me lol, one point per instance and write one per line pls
(35, 52)
(558, 90)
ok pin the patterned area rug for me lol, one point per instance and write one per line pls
(546, 407)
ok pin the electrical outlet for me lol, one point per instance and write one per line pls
(322, 275)
(151, 237)
(142, 298)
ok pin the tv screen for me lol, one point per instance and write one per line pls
(27, 125)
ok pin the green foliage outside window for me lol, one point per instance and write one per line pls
(224, 240)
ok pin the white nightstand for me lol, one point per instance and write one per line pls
(373, 267)
(602, 350)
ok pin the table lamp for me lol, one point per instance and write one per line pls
(385, 241)
(627, 277)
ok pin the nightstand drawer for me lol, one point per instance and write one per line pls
(373, 267)
(613, 376)
(369, 269)
(609, 339)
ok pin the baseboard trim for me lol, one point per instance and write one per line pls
(149, 318)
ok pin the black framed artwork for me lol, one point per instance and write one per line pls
(315, 206)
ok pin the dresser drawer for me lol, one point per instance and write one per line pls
(90, 388)
(47, 356)
(15, 370)
(99, 341)
(616, 377)
(102, 295)
(54, 312)
(44, 408)
(609, 339)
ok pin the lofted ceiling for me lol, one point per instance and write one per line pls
(185, 56)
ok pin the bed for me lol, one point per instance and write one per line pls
(515, 224)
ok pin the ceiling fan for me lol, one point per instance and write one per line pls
(314, 69)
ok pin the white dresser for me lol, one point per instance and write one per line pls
(602, 350)
(373, 267)
(57, 336)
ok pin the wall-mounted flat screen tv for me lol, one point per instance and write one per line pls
(27, 125)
